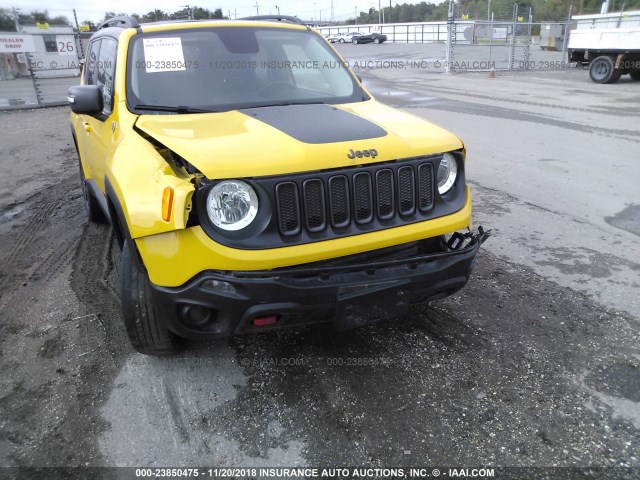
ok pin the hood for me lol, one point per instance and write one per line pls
(295, 138)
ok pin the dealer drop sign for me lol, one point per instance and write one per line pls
(16, 43)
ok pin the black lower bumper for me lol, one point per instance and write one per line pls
(217, 304)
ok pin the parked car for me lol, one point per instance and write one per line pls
(369, 38)
(259, 196)
(344, 37)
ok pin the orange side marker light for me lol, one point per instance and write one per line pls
(167, 203)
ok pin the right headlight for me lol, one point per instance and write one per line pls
(232, 204)
(447, 173)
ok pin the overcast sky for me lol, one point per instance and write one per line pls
(94, 10)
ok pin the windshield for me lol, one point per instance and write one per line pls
(227, 68)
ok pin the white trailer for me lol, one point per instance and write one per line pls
(608, 43)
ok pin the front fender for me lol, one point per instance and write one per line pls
(138, 176)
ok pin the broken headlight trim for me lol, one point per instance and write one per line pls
(232, 205)
(447, 173)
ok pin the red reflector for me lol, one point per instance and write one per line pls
(264, 321)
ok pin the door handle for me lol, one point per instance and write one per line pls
(87, 126)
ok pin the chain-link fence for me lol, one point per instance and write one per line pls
(41, 75)
(485, 46)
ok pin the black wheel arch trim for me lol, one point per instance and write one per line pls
(99, 196)
(117, 219)
(90, 183)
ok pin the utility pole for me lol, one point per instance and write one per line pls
(355, 15)
(16, 18)
(189, 11)
(379, 13)
(333, 18)
(278, 9)
(450, 36)
(257, 8)
(488, 10)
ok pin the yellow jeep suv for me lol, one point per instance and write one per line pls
(253, 183)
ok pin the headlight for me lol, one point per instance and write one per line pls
(232, 205)
(447, 173)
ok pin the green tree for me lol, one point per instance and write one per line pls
(200, 13)
(7, 23)
(37, 16)
(154, 16)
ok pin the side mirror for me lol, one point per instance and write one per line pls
(85, 99)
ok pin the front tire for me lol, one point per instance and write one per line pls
(354, 41)
(146, 331)
(602, 70)
(376, 40)
(342, 40)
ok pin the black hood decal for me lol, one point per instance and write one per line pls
(317, 123)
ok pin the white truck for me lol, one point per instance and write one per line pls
(608, 43)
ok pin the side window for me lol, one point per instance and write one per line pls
(105, 71)
(92, 63)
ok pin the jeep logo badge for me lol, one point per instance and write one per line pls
(373, 153)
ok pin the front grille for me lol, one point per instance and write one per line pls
(366, 198)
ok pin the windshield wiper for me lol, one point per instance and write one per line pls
(168, 108)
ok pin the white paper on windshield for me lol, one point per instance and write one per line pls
(163, 54)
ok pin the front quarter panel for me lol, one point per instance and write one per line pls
(139, 176)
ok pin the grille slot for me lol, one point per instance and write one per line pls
(425, 187)
(351, 201)
(314, 205)
(288, 208)
(339, 201)
(362, 197)
(406, 191)
(385, 194)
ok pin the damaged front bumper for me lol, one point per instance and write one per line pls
(353, 292)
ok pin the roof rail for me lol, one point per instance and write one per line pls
(122, 22)
(279, 18)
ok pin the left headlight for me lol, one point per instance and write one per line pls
(447, 173)
(232, 204)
